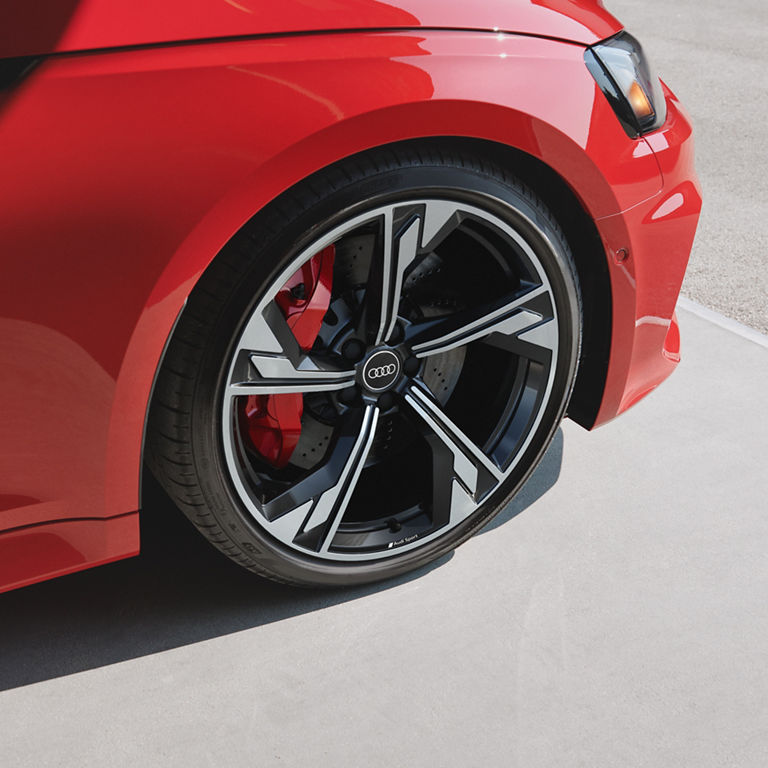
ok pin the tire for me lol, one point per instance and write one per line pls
(370, 369)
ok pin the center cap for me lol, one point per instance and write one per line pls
(381, 370)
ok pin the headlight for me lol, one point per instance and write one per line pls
(621, 70)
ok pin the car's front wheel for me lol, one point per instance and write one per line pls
(370, 368)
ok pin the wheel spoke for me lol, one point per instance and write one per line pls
(396, 250)
(270, 361)
(462, 473)
(405, 230)
(404, 250)
(309, 514)
(524, 324)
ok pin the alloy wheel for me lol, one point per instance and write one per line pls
(390, 378)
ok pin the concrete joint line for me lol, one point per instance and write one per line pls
(724, 322)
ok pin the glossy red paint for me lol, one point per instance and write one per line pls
(658, 234)
(78, 25)
(33, 553)
(131, 169)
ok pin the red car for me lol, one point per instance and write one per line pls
(332, 271)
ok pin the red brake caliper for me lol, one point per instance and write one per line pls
(273, 422)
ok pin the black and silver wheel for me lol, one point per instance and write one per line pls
(370, 369)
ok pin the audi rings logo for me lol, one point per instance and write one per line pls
(385, 370)
(381, 370)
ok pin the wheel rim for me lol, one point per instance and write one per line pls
(427, 380)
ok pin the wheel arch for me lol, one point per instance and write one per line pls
(426, 123)
(582, 236)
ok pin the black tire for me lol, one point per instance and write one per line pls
(506, 244)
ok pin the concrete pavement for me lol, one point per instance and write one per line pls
(714, 56)
(616, 614)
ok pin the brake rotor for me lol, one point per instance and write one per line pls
(442, 371)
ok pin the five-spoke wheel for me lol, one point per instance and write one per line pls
(389, 379)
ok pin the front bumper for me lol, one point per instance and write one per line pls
(647, 248)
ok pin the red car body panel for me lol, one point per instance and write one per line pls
(131, 169)
(658, 234)
(78, 25)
